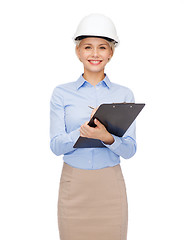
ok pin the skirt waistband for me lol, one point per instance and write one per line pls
(102, 174)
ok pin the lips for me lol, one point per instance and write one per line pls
(95, 62)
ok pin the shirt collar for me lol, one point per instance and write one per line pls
(82, 81)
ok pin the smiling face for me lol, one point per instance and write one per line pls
(94, 53)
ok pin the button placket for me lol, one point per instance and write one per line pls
(98, 94)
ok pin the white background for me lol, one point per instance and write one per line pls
(153, 59)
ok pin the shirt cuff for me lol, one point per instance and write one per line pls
(74, 135)
(115, 144)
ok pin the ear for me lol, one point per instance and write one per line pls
(111, 55)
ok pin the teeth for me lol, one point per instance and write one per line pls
(94, 61)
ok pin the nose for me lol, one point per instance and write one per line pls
(95, 52)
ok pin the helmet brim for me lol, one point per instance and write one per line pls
(78, 38)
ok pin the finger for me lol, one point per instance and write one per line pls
(83, 133)
(92, 114)
(98, 123)
(94, 110)
(85, 128)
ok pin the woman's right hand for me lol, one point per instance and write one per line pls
(93, 112)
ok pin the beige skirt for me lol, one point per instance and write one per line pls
(92, 204)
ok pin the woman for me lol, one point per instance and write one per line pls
(92, 202)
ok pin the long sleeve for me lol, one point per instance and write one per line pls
(61, 141)
(126, 145)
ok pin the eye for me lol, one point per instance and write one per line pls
(87, 47)
(102, 48)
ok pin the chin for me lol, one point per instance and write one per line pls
(95, 69)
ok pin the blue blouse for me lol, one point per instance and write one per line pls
(69, 110)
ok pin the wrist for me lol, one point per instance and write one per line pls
(109, 139)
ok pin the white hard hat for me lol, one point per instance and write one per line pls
(97, 25)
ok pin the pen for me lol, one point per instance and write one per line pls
(91, 107)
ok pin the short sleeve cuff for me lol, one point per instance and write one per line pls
(115, 144)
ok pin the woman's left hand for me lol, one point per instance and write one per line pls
(99, 132)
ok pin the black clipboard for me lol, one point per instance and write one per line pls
(116, 117)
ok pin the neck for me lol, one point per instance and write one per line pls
(93, 77)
